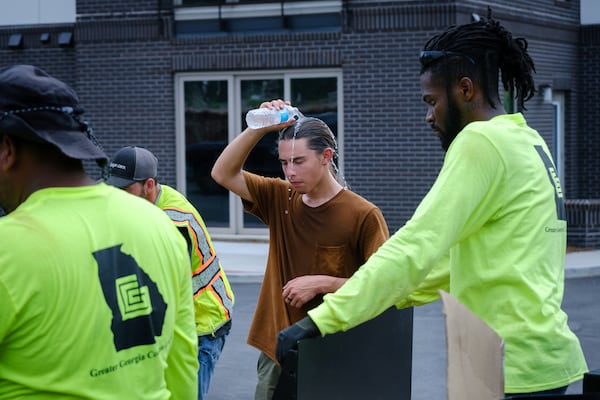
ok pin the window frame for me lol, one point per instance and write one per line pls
(234, 126)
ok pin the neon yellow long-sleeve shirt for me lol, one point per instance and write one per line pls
(496, 209)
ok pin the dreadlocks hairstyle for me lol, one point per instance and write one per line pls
(319, 137)
(482, 50)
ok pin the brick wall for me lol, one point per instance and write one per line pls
(125, 57)
(587, 165)
(391, 155)
(130, 98)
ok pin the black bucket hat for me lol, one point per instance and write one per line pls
(39, 108)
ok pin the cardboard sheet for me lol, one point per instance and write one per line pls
(475, 354)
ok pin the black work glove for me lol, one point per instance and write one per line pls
(289, 337)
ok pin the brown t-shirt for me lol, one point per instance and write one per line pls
(334, 239)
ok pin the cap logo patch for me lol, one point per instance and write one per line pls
(118, 166)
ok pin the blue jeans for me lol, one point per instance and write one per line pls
(209, 351)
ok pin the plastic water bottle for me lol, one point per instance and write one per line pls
(262, 117)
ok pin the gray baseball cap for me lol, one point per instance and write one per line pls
(132, 164)
(40, 108)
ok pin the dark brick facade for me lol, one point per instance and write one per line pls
(587, 166)
(125, 56)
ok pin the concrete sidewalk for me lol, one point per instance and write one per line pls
(245, 261)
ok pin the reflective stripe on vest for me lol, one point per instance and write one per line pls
(220, 290)
(204, 275)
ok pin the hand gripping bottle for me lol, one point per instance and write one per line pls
(262, 117)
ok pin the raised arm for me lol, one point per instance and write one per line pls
(227, 170)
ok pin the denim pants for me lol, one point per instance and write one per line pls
(209, 351)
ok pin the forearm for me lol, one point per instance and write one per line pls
(227, 170)
(303, 289)
(330, 284)
(232, 158)
(228, 166)
(388, 277)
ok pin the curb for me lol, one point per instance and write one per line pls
(585, 272)
(582, 264)
(244, 277)
(252, 256)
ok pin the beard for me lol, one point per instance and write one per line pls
(453, 124)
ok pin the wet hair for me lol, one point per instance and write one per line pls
(482, 50)
(319, 137)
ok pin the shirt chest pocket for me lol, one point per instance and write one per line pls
(331, 260)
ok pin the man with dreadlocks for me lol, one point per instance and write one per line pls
(93, 303)
(496, 209)
(320, 232)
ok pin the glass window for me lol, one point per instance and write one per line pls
(318, 98)
(206, 133)
(263, 159)
(33, 12)
(218, 17)
(213, 113)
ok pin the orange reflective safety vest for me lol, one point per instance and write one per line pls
(213, 297)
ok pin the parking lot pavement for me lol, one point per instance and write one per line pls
(235, 375)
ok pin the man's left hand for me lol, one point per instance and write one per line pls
(289, 337)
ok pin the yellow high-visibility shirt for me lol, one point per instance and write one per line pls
(95, 299)
(496, 211)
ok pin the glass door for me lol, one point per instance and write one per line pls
(211, 110)
(263, 159)
(206, 114)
